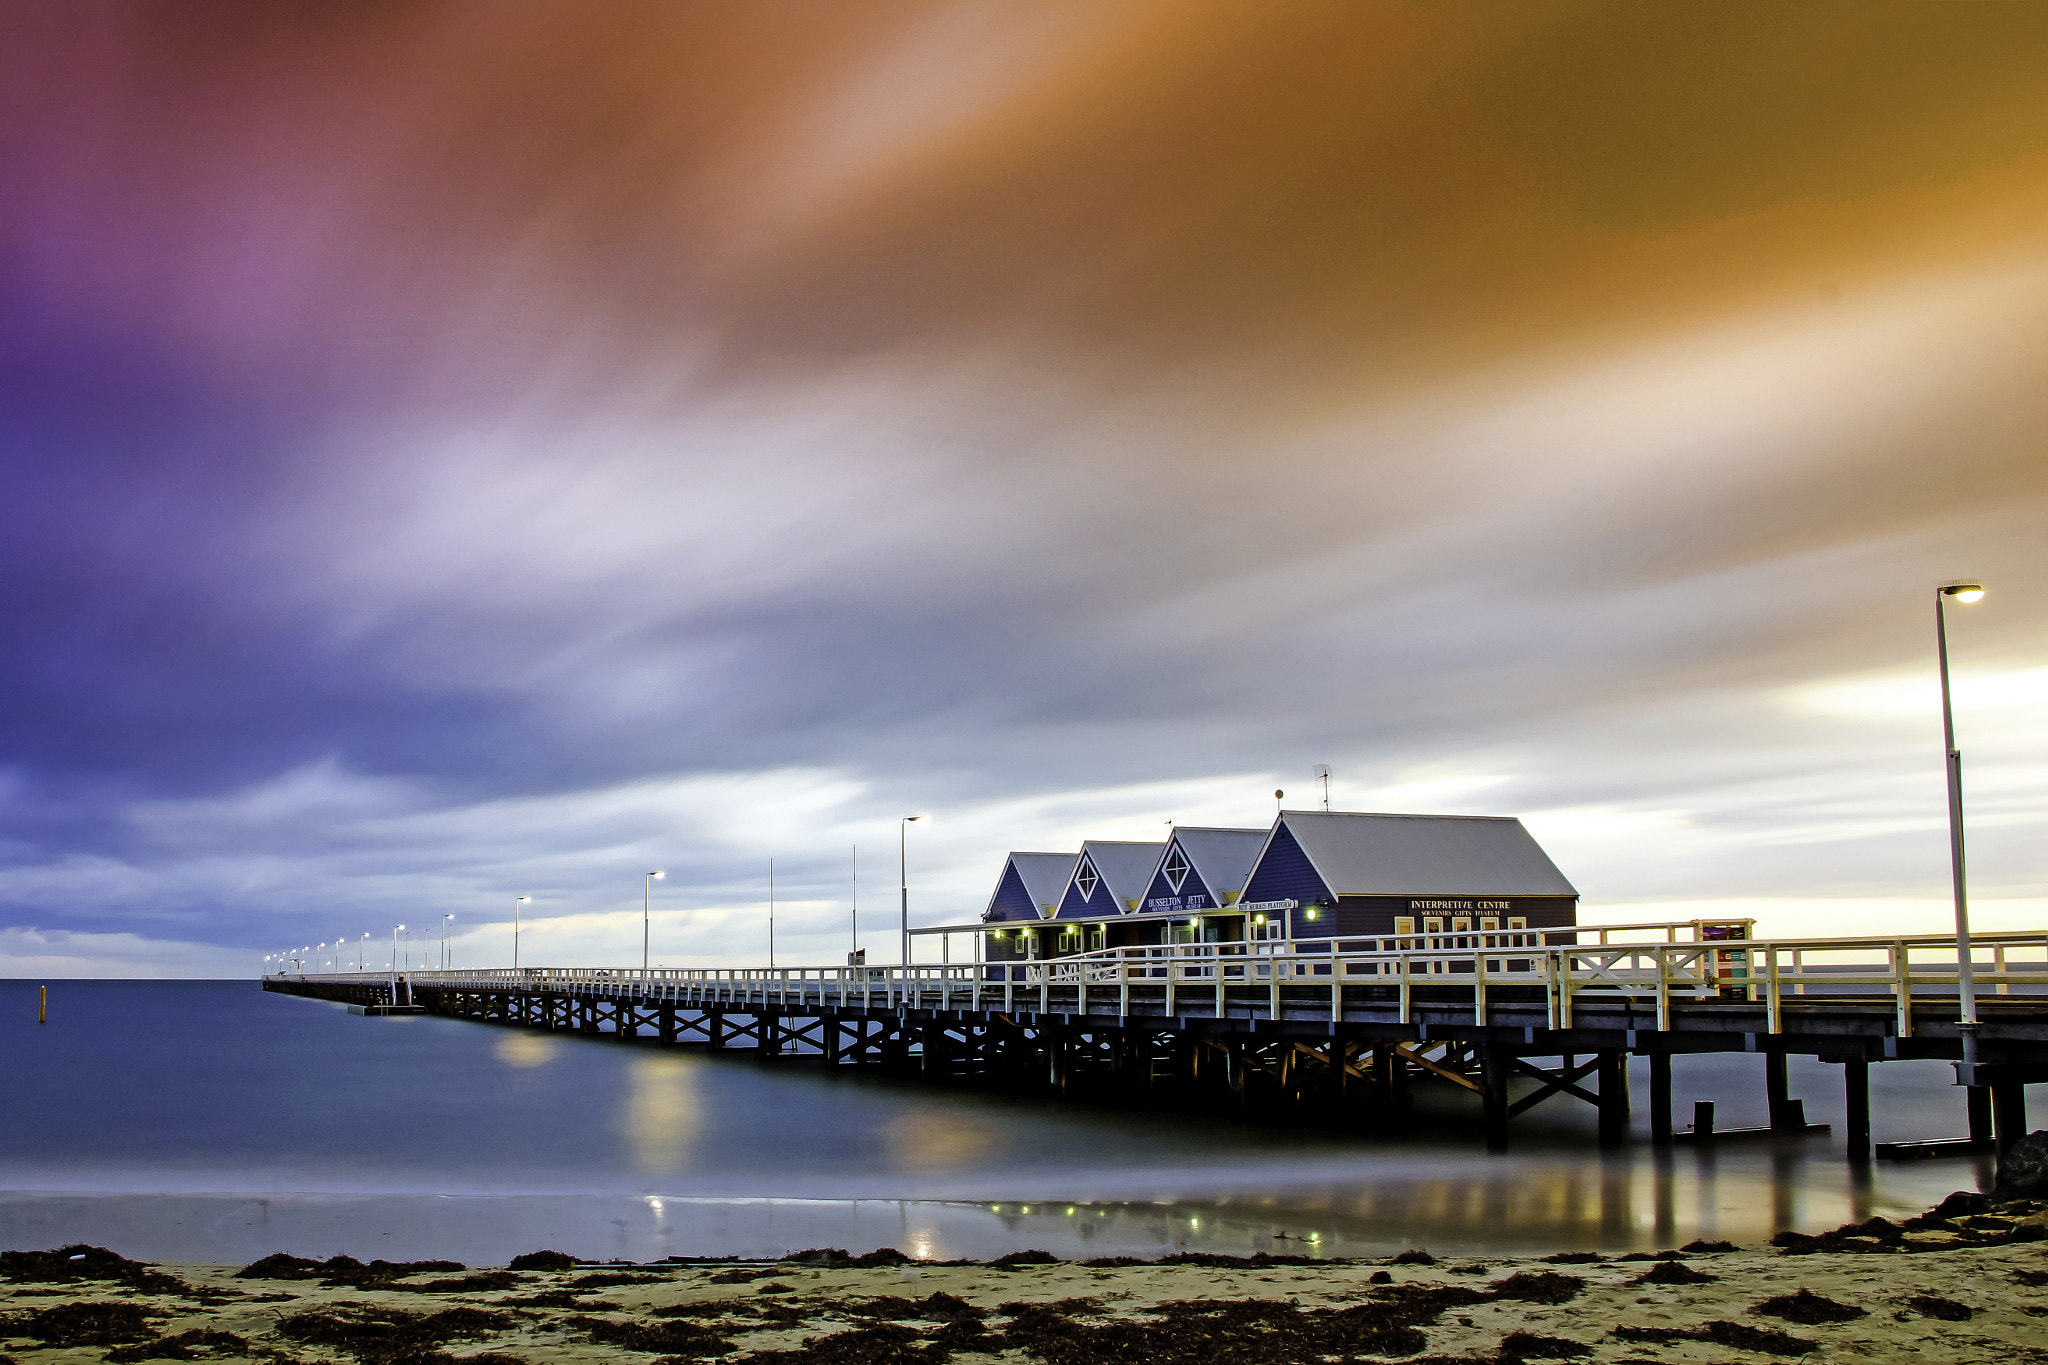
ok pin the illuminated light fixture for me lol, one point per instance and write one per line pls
(1258, 919)
(1313, 912)
(1963, 592)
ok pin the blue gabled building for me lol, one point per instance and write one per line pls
(1109, 879)
(1341, 874)
(1030, 887)
(1202, 869)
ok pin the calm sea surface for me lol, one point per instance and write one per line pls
(210, 1121)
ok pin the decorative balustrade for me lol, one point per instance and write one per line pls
(1322, 978)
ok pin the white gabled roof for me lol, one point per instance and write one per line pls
(1421, 855)
(1125, 868)
(1222, 858)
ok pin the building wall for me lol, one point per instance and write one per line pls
(1284, 873)
(1012, 901)
(1373, 916)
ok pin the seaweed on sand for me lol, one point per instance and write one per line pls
(1765, 1340)
(80, 1263)
(386, 1336)
(183, 1346)
(339, 1271)
(656, 1338)
(1808, 1309)
(82, 1324)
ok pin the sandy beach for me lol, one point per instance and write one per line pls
(1967, 1287)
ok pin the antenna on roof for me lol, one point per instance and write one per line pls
(1323, 776)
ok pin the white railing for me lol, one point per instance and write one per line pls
(1305, 978)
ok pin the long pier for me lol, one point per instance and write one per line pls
(1329, 1030)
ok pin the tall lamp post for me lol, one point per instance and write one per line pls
(517, 901)
(1966, 969)
(903, 879)
(446, 920)
(647, 913)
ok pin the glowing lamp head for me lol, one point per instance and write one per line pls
(657, 875)
(1963, 592)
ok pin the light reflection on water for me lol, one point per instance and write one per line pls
(288, 1117)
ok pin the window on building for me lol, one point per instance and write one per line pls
(1489, 923)
(1518, 922)
(1085, 878)
(1176, 868)
(1404, 924)
(1432, 924)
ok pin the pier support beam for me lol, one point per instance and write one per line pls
(1493, 1094)
(2008, 1115)
(1613, 1099)
(1856, 1090)
(1977, 1103)
(1660, 1099)
(1778, 1092)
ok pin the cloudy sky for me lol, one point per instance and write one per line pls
(454, 451)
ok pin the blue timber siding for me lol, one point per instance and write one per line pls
(1161, 899)
(1284, 873)
(1103, 902)
(1011, 900)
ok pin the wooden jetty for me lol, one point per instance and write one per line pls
(1336, 1029)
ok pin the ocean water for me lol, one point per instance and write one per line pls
(211, 1121)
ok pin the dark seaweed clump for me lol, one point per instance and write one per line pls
(1765, 1340)
(389, 1336)
(1672, 1272)
(193, 1345)
(484, 1281)
(80, 1263)
(1946, 1310)
(1520, 1346)
(1706, 1248)
(1414, 1257)
(658, 1338)
(936, 1307)
(836, 1258)
(1017, 1260)
(82, 1324)
(543, 1260)
(1538, 1286)
(1575, 1258)
(1809, 1309)
(339, 1271)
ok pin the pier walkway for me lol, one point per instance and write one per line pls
(1330, 1029)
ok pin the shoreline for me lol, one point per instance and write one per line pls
(1965, 1282)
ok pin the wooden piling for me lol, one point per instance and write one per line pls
(2008, 1115)
(1856, 1090)
(1660, 1099)
(1613, 1099)
(1778, 1090)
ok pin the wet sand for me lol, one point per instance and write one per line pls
(1969, 1287)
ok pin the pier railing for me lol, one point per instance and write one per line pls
(1323, 978)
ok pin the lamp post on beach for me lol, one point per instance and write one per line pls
(1966, 969)
(647, 914)
(517, 901)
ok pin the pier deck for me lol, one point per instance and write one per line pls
(1337, 1029)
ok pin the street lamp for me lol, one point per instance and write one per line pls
(517, 901)
(1966, 968)
(362, 951)
(445, 920)
(903, 879)
(647, 913)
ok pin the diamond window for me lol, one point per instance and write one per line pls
(1086, 879)
(1176, 868)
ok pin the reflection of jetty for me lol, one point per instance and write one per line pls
(1335, 1027)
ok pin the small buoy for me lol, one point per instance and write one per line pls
(43, 1008)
